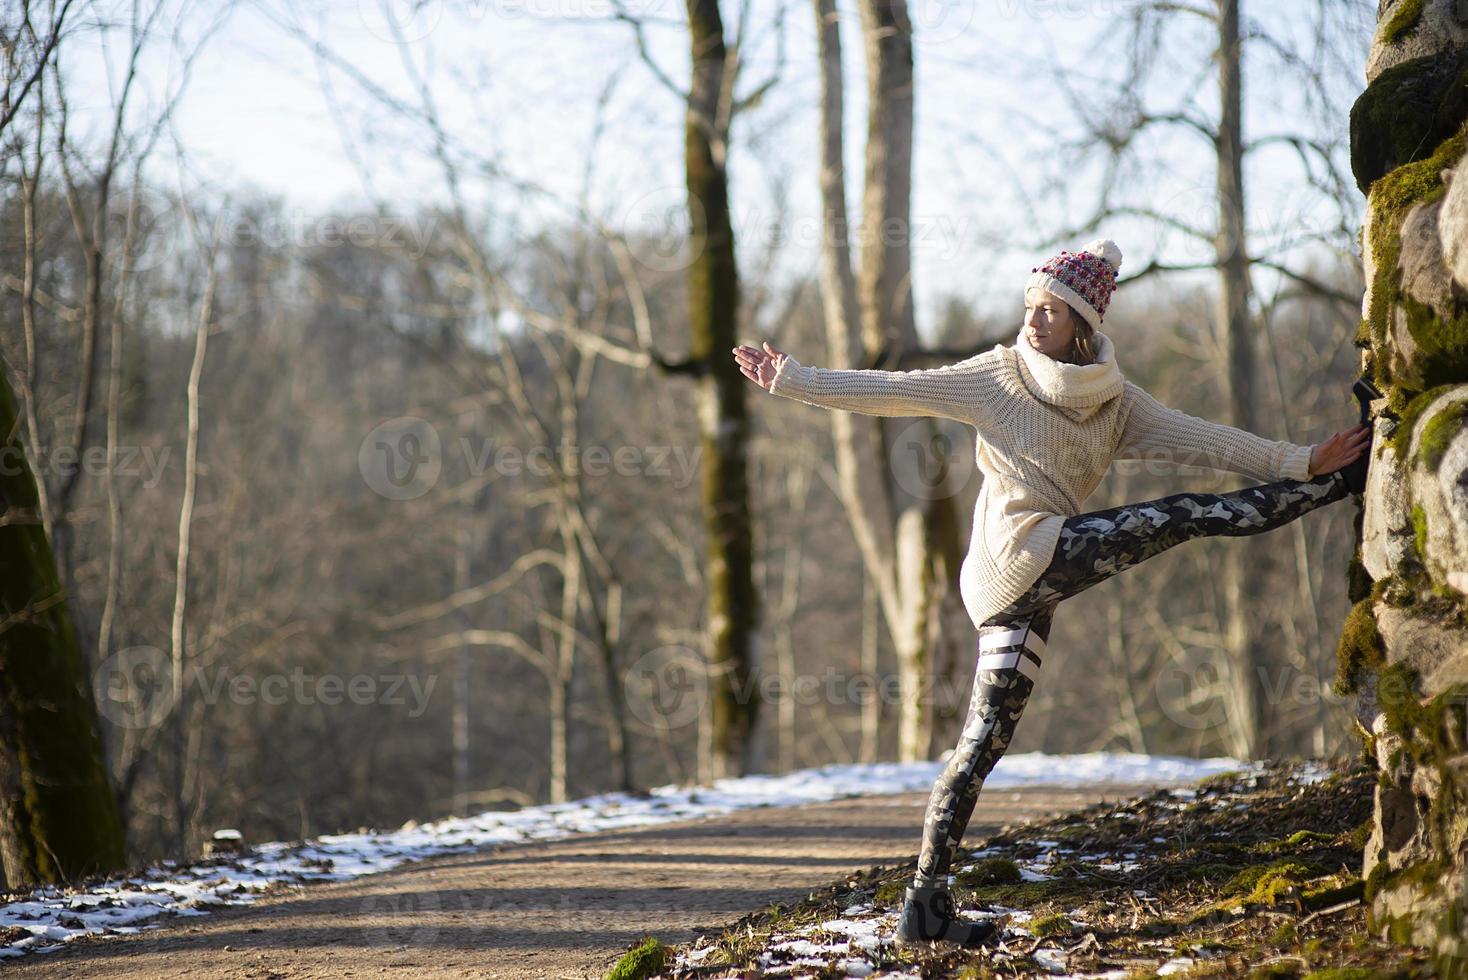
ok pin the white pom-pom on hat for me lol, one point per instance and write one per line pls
(1108, 250)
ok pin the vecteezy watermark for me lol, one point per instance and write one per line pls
(1194, 690)
(928, 462)
(670, 686)
(1067, 9)
(1186, 225)
(403, 458)
(665, 230)
(398, 919)
(131, 462)
(667, 687)
(407, 21)
(402, 920)
(408, 235)
(403, 21)
(134, 688)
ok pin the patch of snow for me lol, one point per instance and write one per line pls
(1310, 773)
(804, 947)
(694, 956)
(1050, 959)
(1175, 965)
(861, 933)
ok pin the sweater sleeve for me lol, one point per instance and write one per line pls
(967, 391)
(1155, 431)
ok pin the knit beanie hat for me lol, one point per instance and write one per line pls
(1084, 279)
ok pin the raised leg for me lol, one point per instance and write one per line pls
(1096, 545)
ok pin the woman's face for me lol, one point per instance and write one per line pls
(1049, 323)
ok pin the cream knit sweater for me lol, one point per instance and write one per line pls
(1046, 432)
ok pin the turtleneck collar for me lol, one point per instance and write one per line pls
(1070, 385)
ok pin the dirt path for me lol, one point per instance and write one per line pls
(550, 909)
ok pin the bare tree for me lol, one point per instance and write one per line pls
(911, 545)
(59, 817)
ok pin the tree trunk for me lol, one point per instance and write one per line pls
(182, 812)
(1404, 648)
(1241, 579)
(713, 307)
(922, 528)
(60, 814)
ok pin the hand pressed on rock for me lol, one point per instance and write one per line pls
(1340, 449)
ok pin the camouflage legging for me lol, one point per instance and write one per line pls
(1092, 548)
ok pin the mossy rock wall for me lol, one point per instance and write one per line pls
(1404, 651)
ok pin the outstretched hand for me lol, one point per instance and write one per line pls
(1340, 449)
(758, 365)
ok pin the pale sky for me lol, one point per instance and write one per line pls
(519, 84)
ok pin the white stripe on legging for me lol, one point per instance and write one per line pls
(1005, 638)
(1009, 661)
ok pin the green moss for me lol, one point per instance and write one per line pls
(646, 960)
(1396, 691)
(1429, 731)
(1404, 114)
(1285, 935)
(1298, 841)
(1221, 780)
(1376, 880)
(1419, 530)
(889, 893)
(1400, 930)
(977, 971)
(1442, 345)
(1360, 649)
(990, 871)
(1427, 728)
(1333, 893)
(1361, 835)
(1052, 925)
(1393, 194)
(1031, 894)
(1358, 579)
(1261, 884)
(1403, 20)
(1439, 432)
(1410, 411)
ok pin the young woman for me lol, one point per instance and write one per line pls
(1051, 412)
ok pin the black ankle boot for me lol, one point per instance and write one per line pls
(928, 914)
(1355, 471)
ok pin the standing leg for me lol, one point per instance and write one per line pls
(1010, 651)
(1009, 659)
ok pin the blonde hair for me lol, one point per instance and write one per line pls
(1083, 344)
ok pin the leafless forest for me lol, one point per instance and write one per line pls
(419, 509)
